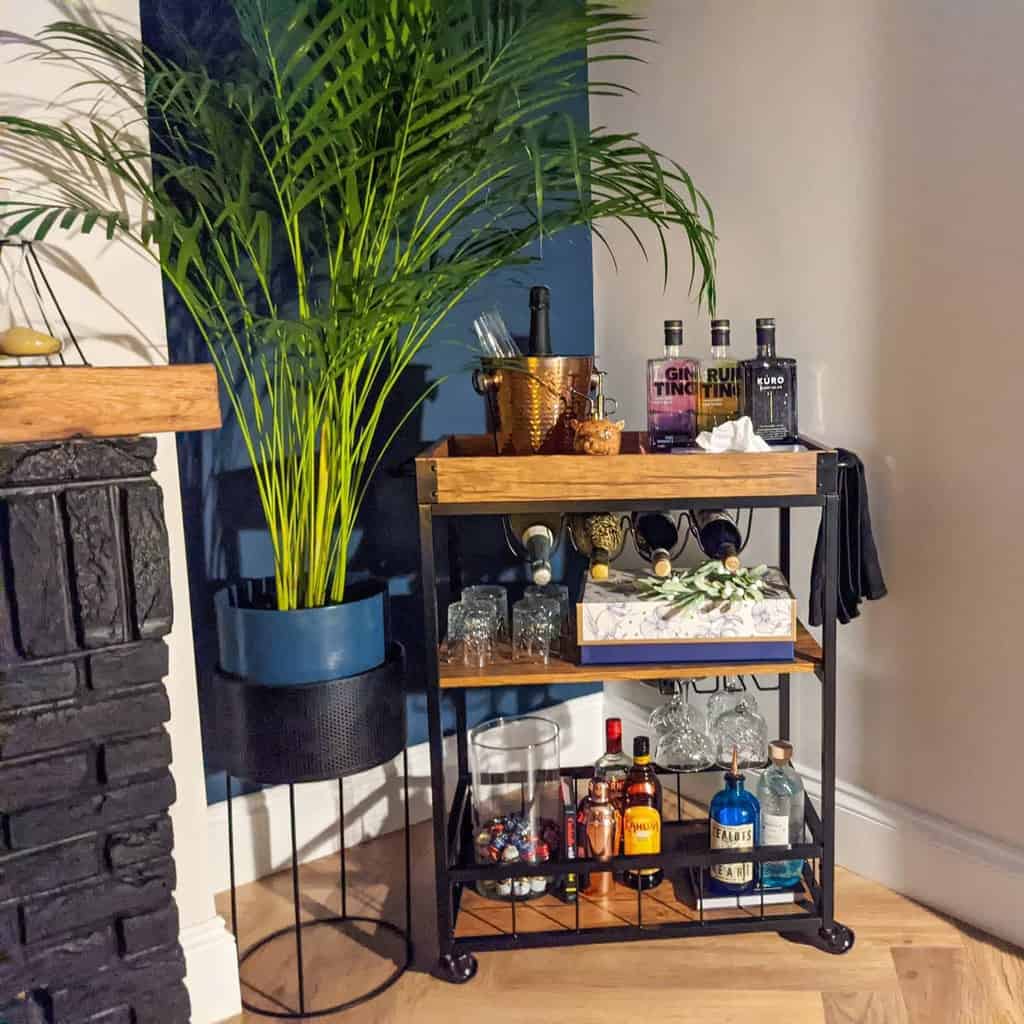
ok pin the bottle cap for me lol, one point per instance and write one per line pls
(765, 322)
(641, 746)
(613, 728)
(599, 791)
(719, 332)
(673, 332)
(540, 297)
(780, 750)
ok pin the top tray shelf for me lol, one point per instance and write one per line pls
(463, 472)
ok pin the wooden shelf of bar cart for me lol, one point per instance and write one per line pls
(464, 476)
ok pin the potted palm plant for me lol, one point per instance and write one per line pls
(320, 205)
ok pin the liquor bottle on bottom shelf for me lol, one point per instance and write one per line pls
(769, 387)
(613, 765)
(656, 535)
(599, 537)
(734, 823)
(537, 534)
(781, 796)
(601, 830)
(673, 383)
(720, 397)
(540, 330)
(569, 885)
(719, 536)
(641, 824)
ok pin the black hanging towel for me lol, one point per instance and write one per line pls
(860, 575)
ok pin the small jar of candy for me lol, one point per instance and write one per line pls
(516, 800)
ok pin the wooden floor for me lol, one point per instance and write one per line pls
(909, 965)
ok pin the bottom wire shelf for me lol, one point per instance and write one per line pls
(670, 910)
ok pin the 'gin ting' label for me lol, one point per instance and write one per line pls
(732, 837)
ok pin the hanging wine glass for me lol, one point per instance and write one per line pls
(724, 698)
(668, 715)
(685, 744)
(741, 727)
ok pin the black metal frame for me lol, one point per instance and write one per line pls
(452, 836)
(302, 1013)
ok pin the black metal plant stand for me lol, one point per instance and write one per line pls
(456, 478)
(294, 734)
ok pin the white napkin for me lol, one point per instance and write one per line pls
(733, 436)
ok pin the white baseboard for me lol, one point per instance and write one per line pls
(211, 965)
(373, 802)
(937, 862)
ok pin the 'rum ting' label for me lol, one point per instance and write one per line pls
(732, 837)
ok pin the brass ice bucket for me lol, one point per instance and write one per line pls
(533, 400)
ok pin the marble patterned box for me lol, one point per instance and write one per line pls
(615, 625)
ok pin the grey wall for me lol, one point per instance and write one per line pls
(864, 162)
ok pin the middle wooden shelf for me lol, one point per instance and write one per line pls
(504, 672)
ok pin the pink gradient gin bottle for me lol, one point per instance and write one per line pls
(673, 384)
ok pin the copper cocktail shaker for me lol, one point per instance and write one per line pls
(601, 831)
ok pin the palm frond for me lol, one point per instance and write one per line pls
(322, 203)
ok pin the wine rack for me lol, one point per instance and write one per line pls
(464, 476)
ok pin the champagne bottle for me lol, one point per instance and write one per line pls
(540, 330)
(719, 536)
(597, 536)
(537, 535)
(656, 535)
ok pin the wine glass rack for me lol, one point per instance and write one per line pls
(461, 476)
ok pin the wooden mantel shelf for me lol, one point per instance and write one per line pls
(53, 403)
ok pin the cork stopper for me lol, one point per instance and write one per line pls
(780, 751)
(598, 570)
(732, 562)
(661, 563)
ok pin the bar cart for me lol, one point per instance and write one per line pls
(462, 476)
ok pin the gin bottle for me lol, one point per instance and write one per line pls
(673, 383)
(720, 397)
(734, 824)
(781, 795)
(769, 387)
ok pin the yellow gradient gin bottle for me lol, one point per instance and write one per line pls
(720, 398)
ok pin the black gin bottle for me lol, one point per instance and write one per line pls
(769, 387)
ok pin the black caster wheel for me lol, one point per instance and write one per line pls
(835, 940)
(457, 968)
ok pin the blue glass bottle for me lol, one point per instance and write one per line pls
(734, 822)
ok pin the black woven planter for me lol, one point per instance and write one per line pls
(314, 731)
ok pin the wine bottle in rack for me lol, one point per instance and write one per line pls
(599, 537)
(719, 535)
(656, 535)
(537, 535)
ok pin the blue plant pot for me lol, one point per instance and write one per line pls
(310, 645)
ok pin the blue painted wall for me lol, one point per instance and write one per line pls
(225, 534)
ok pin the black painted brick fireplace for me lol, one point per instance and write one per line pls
(88, 924)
